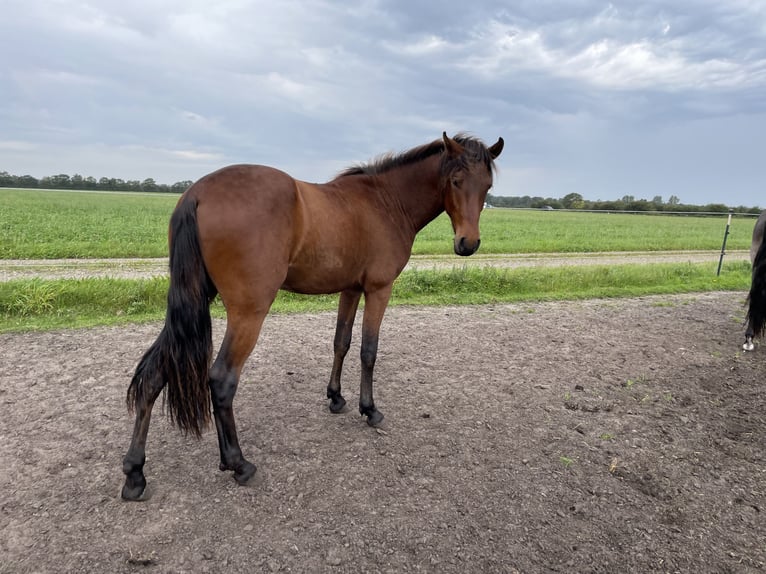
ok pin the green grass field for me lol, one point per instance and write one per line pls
(38, 224)
(56, 224)
(534, 231)
(43, 224)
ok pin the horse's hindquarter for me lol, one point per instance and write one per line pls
(245, 216)
(342, 241)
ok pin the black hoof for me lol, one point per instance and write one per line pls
(374, 417)
(245, 472)
(133, 490)
(337, 403)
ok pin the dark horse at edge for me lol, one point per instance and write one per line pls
(756, 311)
(246, 231)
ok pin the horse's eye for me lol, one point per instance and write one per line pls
(457, 182)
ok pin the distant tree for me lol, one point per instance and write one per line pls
(148, 185)
(639, 205)
(609, 205)
(27, 181)
(61, 181)
(181, 186)
(716, 208)
(657, 200)
(573, 201)
(674, 200)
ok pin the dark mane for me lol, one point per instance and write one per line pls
(475, 148)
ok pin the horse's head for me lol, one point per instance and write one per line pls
(467, 171)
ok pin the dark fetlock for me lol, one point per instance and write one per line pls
(134, 489)
(135, 482)
(243, 471)
(337, 402)
(374, 416)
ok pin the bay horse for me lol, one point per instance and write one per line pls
(246, 231)
(756, 312)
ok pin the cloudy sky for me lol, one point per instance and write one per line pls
(603, 99)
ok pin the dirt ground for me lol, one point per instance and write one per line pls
(598, 436)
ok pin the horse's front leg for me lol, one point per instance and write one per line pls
(349, 301)
(375, 303)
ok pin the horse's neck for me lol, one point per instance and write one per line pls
(413, 191)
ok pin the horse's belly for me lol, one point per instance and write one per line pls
(322, 273)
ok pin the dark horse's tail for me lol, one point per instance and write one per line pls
(180, 357)
(756, 313)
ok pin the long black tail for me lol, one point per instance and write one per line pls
(756, 312)
(180, 357)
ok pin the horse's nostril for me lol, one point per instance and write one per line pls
(463, 247)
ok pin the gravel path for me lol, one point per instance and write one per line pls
(146, 268)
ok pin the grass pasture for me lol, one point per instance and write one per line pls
(38, 224)
(536, 231)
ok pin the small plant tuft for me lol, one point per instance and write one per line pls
(38, 298)
(566, 461)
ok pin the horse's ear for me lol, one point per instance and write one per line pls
(453, 148)
(495, 150)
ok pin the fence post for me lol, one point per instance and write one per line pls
(723, 247)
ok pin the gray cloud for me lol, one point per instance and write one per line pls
(606, 100)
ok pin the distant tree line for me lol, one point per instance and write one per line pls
(569, 201)
(64, 181)
(627, 203)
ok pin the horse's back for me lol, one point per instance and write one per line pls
(237, 186)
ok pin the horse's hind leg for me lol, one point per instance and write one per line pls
(133, 463)
(241, 335)
(748, 345)
(349, 301)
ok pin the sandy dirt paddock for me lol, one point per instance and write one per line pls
(598, 436)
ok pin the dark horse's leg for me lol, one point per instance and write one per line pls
(133, 463)
(241, 335)
(755, 298)
(749, 345)
(349, 301)
(375, 303)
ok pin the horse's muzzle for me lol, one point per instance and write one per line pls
(465, 248)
